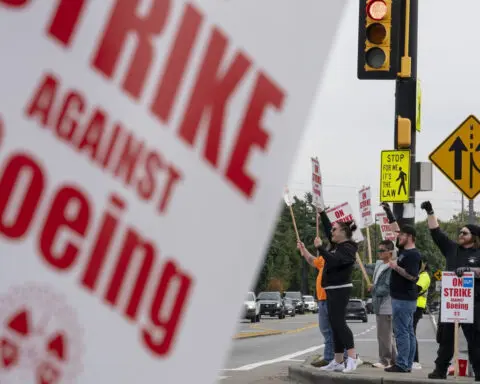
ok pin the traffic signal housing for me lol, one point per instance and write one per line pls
(404, 132)
(379, 39)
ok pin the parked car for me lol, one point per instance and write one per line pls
(252, 308)
(297, 301)
(271, 304)
(310, 303)
(369, 306)
(356, 310)
(289, 307)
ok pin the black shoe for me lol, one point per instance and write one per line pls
(395, 368)
(437, 375)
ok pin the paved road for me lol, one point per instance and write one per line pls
(266, 359)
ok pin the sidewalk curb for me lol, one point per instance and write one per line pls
(310, 375)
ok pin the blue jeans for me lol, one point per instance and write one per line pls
(326, 331)
(403, 311)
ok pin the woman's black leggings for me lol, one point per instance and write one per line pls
(337, 300)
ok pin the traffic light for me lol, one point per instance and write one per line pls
(404, 132)
(379, 39)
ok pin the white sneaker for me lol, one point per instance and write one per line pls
(351, 365)
(416, 366)
(359, 361)
(379, 365)
(333, 366)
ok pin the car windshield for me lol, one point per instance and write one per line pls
(269, 296)
(250, 297)
(294, 295)
(308, 298)
(354, 304)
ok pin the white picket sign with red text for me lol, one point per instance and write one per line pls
(457, 298)
(365, 202)
(137, 197)
(386, 228)
(343, 212)
(317, 185)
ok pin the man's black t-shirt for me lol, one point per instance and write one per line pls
(400, 287)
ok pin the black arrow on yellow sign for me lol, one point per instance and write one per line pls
(457, 148)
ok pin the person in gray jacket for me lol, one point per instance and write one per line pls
(382, 305)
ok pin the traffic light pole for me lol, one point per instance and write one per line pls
(406, 97)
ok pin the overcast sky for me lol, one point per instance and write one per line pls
(353, 120)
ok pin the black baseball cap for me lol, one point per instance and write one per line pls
(409, 230)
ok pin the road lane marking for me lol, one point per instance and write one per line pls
(269, 331)
(290, 356)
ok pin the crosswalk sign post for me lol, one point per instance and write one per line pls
(458, 157)
(395, 176)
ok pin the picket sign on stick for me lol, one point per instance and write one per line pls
(289, 203)
(455, 349)
(457, 305)
(364, 197)
(369, 246)
(318, 228)
(362, 267)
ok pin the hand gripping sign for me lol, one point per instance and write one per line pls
(136, 134)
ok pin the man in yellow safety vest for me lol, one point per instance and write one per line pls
(423, 284)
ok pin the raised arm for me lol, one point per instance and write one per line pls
(327, 225)
(391, 218)
(440, 238)
(306, 254)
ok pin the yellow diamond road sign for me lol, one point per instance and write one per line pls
(458, 157)
(438, 275)
(395, 176)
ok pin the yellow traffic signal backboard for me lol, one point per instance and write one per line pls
(458, 157)
(395, 176)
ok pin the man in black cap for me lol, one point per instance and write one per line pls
(461, 256)
(403, 292)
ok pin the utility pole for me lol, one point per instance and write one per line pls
(406, 96)
(471, 212)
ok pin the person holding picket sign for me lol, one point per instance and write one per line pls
(337, 282)
(461, 256)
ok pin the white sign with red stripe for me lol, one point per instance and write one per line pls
(139, 141)
(364, 197)
(343, 212)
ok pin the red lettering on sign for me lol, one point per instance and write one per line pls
(457, 292)
(125, 21)
(177, 62)
(70, 212)
(15, 3)
(252, 134)
(113, 149)
(65, 20)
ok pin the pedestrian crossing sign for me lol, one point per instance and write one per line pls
(395, 176)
